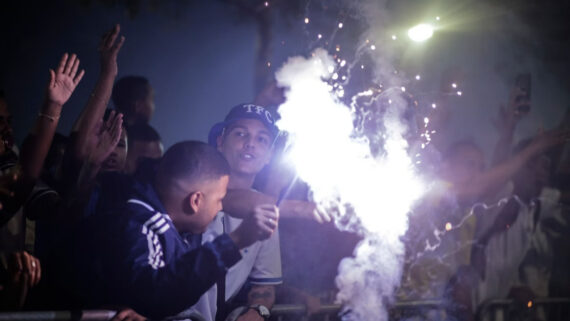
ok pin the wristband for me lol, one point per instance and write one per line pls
(52, 119)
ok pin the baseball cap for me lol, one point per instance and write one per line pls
(243, 111)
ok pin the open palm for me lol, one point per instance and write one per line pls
(64, 80)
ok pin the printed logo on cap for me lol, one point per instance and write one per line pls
(250, 108)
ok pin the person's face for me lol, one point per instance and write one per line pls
(142, 149)
(213, 192)
(116, 161)
(465, 165)
(246, 145)
(145, 107)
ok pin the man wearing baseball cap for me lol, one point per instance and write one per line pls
(245, 138)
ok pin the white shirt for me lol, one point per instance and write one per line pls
(260, 264)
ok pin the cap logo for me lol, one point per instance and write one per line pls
(260, 111)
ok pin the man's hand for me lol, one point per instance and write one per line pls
(319, 214)
(64, 80)
(24, 272)
(257, 227)
(107, 139)
(128, 315)
(250, 315)
(24, 269)
(548, 139)
(509, 116)
(109, 48)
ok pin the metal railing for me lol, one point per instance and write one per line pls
(80, 315)
(547, 309)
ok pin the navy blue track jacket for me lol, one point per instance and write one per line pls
(142, 262)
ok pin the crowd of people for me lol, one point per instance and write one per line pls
(104, 218)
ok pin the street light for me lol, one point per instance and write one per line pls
(421, 32)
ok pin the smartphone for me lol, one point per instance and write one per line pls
(523, 81)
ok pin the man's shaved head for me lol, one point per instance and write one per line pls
(192, 163)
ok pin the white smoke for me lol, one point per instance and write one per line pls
(370, 195)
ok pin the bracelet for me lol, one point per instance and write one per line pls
(52, 119)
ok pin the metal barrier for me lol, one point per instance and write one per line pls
(85, 315)
(328, 312)
(544, 309)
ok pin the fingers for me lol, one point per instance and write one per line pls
(51, 78)
(117, 129)
(74, 68)
(38, 271)
(119, 44)
(321, 215)
(128, 315)
(110, 120)
(112, 36)
(69, 64)
(62, 63)
(78, 78)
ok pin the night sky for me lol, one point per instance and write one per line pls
(200, 59)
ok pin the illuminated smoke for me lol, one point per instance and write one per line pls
(368, 194)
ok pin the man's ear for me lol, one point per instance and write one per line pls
(195, 201)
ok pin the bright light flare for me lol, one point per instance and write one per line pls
(421, 32)
(339, 168)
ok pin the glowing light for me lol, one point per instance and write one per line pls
(418, 77)
(335, 76)
(459, 93)
(343, 78)
(266, 4)
(403, 89)
(268, 64)
(426, 120)
(361, 66)
(340, 25)
(340, 93)
(337, 48)
(448, 226)
(343, 63)
(421, 32)
(379, 191)
(454, 85)
(394, 37)
(437, 18)
(433, 106)
(319, 36)
(306, 20)
(529, 304)
(373, 47)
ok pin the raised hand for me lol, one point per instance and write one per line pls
(509, 116)
(64, 79)
(107, 139)
(548, 139)
(109, 48)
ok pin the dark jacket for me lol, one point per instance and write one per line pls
(141, 261)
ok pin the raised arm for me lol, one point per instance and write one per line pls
(487, 182)
(62, 83)
(85, 125)
(242, 202)
(506, 123)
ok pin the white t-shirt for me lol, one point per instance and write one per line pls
(260, 264)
